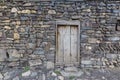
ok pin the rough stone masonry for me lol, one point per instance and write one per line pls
(28, 36)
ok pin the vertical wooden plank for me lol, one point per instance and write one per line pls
(66, 44)
(74, 43)
(60, 50)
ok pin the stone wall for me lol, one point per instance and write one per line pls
(27, 31)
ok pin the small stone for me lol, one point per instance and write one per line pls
(45, 25)
(54, 74)
(76, 74)
(1, 14)
(23, 11)
(50, 65)
(1, 76)
(1, 34)
(3, 6)
(47, 46)
(13, 22)
(112, 66)
(27, 4)
(31, 45)
(22, 29)
(71, 69)
(103, 21)
(103, 77)
(51, 12)
(16, 78)
(102, 4)
(39, 35)
(26, 11)
(16, 41)
(76, 17)
(111, 56)
(13, 64)
(6, 21)
(118, 18)
(39, 51)
(87, 62)
(7, 76)
(35, 62)
(92, 40)
(26, 73)
(43, 77)
(88, 10)
(7, 27)
(18, 22)
(60, 77)
(14, 10)
(3, 55)
(9, 38)
(16, 36)
(17, 26)
(19, 12)
(33, 74)
(114, 38)
(33, 11)
(13, 54)
(88, 47)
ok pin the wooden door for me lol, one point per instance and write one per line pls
(67, 45)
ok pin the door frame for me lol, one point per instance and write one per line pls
(68, 23)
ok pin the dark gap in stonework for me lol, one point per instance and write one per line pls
(7, 54)
(118, 25)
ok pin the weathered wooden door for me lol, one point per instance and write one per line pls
(67, 45)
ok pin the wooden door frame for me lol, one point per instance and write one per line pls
(68, 23)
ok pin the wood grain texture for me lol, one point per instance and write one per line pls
(67, 45)
(60, 53)
(74, 42)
